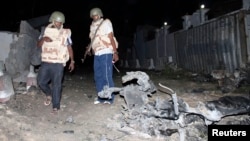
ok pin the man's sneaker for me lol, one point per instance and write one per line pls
(107, 102)
(97, 102)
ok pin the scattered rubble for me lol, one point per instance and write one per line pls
(148, 116)
(163, 118)
(6, 86)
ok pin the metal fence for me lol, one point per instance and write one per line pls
(220, 43)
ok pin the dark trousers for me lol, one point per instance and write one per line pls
(49, 79)
(103, 74)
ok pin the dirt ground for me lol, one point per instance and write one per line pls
(25, 118)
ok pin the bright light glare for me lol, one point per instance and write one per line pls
(202, 6)
(165, 23)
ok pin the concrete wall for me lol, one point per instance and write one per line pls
(6, 38)
(17, 49)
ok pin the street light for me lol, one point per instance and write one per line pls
(203, 11)
(202, 6)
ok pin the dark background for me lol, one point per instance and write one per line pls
(128, 12)
(125, 15)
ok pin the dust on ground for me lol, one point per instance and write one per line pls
(25, 118)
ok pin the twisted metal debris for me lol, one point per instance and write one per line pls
(163, 118)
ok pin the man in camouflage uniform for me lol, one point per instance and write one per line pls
(57, 49)
(104, 46)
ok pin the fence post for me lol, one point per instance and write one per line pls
(126, 64)
(151, 66)
(137, 64)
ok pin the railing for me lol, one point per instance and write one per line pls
(220, 43)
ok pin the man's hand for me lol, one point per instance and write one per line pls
(71, 66)
(115, 57)
(88, 51)
(42, 40)
(47, 39)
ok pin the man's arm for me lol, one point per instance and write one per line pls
(112, 40)
(71, 55)
(42, 40)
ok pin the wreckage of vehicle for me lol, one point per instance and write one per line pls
(164, 117)
(215, 110)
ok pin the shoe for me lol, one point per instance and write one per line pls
(54, 111)
(107, 102)
(96, 102)
(47, 102)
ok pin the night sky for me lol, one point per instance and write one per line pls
(125, 15)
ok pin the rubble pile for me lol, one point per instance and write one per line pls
(173, 118)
